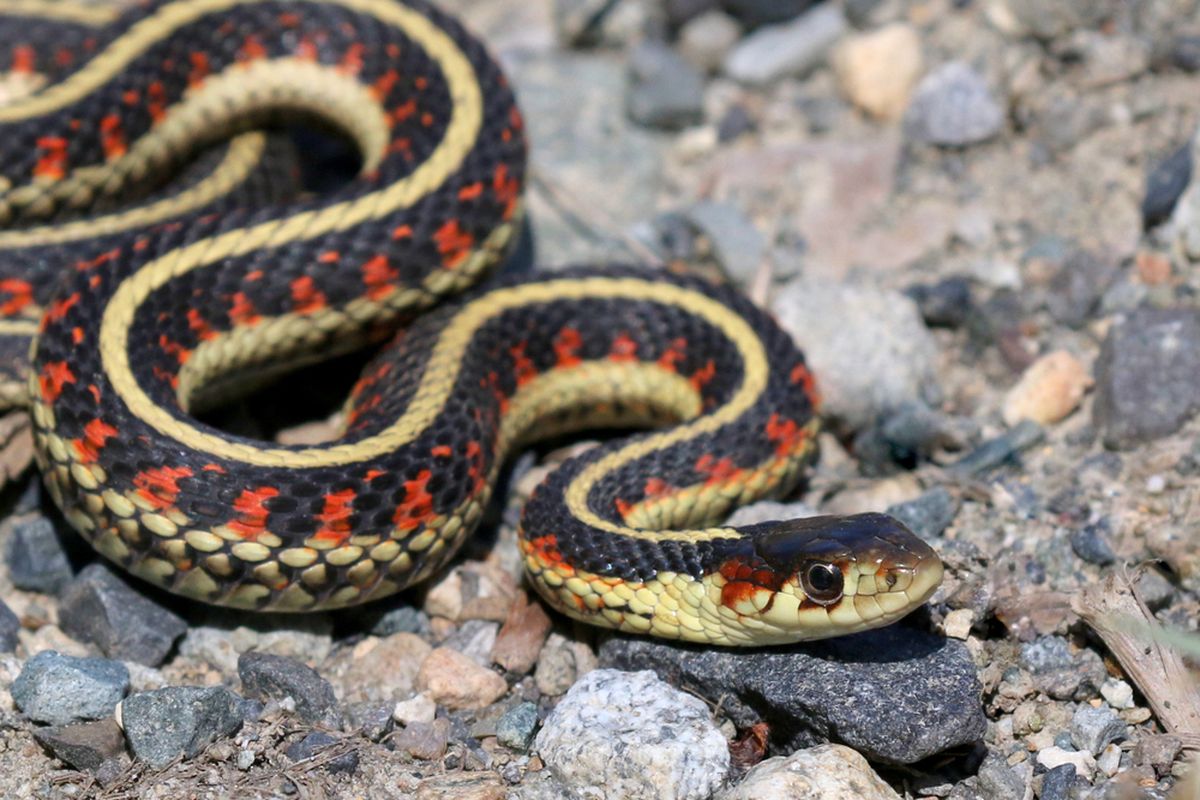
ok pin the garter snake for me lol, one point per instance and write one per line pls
(133, 312)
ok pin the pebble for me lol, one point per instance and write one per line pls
(1077, 286)
(83, 745)
(307, 638)
(314, 743)
(1109, 761)
(1091, 544)
(1001, 450)
(705, 40)
(792, 48)
(98, 606)
(455, 681)
(1050, 19)
(869, 348)
(424, 740)
(165, 724)
(736, 243)
(373, 719)
(829, 772)
(418, 708)
(402, 619)
(520, 640)
(1158, 751)
(270, 677)
(1093, 729)
(945, 304)
(562, 662)
(1185, 53)
(895, 695)
(666, 92)
(1147, 376)
(1057, 671)
(475, 639)
(10, 625)
(474, 590)
(516, 726)
(998, 780)
(929, 515)
(1050, 389)
(1165, 183)
(734, 123)
(1057, 782)
(1083, 763)
(957, 624)
(753, 13)
(36, 558)
(61, 689)
(952, 106)
(629, 735)
(384, 669)
(877, 70)
(1117, 693)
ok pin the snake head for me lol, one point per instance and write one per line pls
(818, 577)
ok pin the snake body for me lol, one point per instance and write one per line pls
(137, 313)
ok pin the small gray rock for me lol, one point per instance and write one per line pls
(165, 724)
(317, 741)
(10, 625)
(998, 780)
(1078, 285)
(1060, 673)
(101, 608)
(945, 304)
(62, 689)
(895, 695)
(929, 515)
(1093, 729)
(270, 677)
(705, 40)
(629, 735)
(1057, 783)
(868, 347)
(84, 745)
(1091, 544)
(953, 106)
(372, 718)
(737, 244)
(753, 13)
(792, 48)
(402, 619)
(1165, 184)
(36, 558)
(1148, 376)
(1003, 449)
(1185, 53)
(515, 728)
(665, 91)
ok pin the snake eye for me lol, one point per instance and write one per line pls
(822, 583)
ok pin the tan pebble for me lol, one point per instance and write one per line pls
(418, 708)
(877, 70)
(957, 624)
(1049, 390)
(455, 681)
(384, 669)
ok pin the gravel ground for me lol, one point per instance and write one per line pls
(980, 219)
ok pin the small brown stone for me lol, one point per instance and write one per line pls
(456, 682)
(474, 590)
(1153, 269)
(426, 741)
(522, 635)
(1049, 390)
(384, 669)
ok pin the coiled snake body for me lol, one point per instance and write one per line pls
(139, 301)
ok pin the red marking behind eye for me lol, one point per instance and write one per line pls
(379, 277)
(306, 296)
(95, 434)
(417, 506)
(453, 243)
(20, 294)
(55, 375)
(566, 347)
(335, 517)
(744, 580)
(52, 165)
(112, 137)
(23, 59)
(159, 486)
(252, 511)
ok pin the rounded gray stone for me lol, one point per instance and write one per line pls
(953, 106)
(61, 689)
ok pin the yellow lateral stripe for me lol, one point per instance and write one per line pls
(96, 16)
(153, 29)
(241, 157)
(441, 371)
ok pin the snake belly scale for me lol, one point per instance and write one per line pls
(126, 303)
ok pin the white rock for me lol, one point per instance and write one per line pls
(1084, 763)
(957, 624)
(828, 772)
(1117, 693)
(629, 735)
(418, 708)
(869, 349)
(1110, 760)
